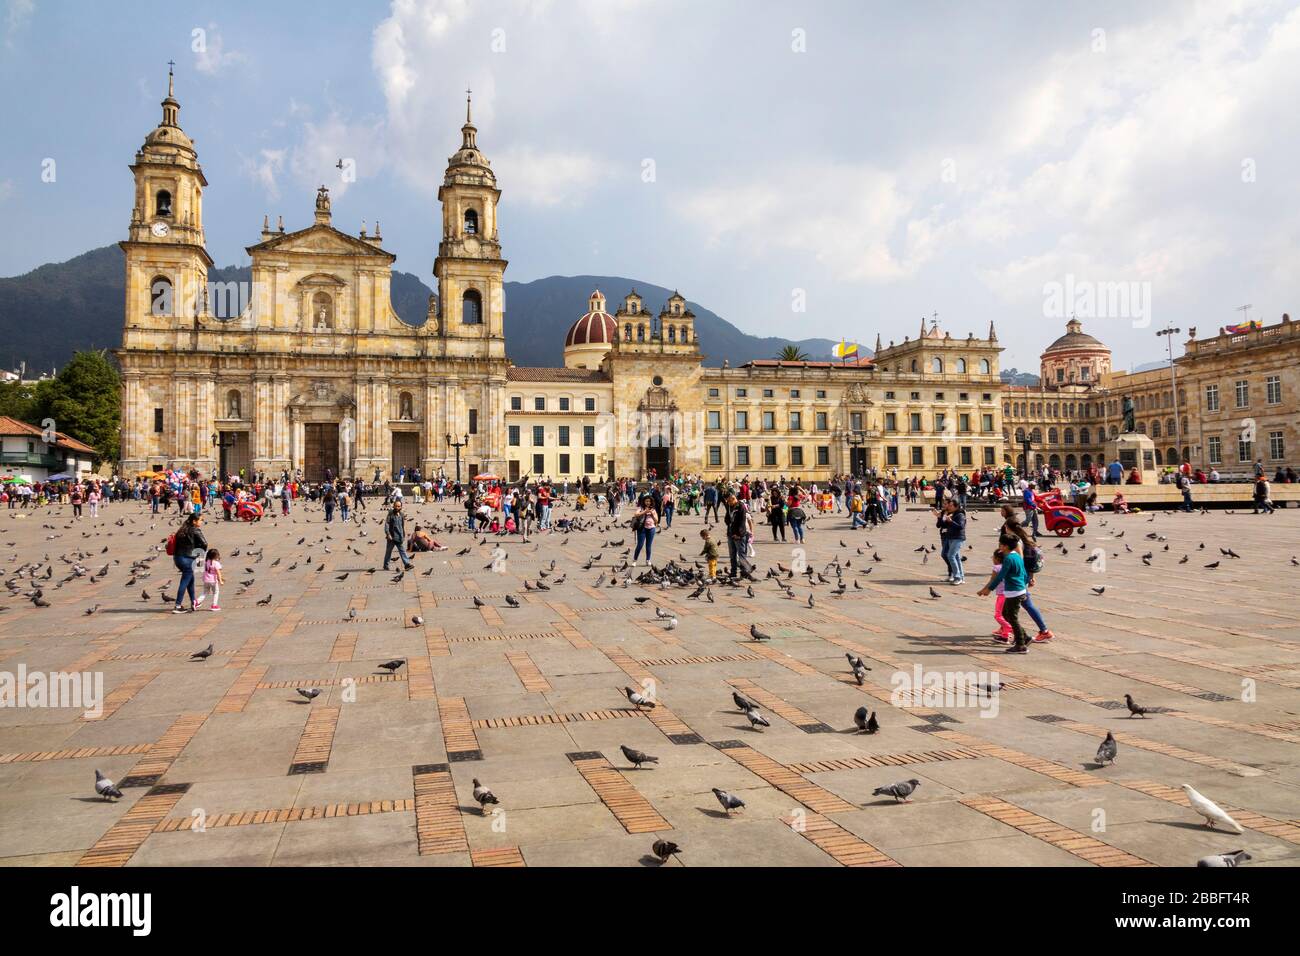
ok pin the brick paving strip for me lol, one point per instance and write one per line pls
(241, 691)
(845, 848)
(419, 679)
(345, 645)
(872, 761)
(1063, 838)
(316, 742)
(243, 818)
(1064, 774)
(123, 693)
(438, 825)
(148, 771)
(457, 730)
(528, 673)
(88, 660)
(127, 835)
(669, 724)
(777, 705)
(568, 627)
(1288, 830)
(785, 779)
(330, 681)
(716, 659)
(502, 856)
(539, 720)
(632, 810)
(1154, 746)
(74, 753)
(515, 636)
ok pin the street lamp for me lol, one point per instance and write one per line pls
(1169, 332)
(458, 445)
(855, 441)
(221, 442)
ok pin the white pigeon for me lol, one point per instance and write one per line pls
(1211, 811)
(670, 624)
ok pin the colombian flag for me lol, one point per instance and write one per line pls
(845, 349)
(1244, 327)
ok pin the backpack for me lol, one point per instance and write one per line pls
(171, 544)
(1034, 560)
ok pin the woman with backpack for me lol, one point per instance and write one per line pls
(1032, 556)
(185, 546)
(644, 526)
(951, 522)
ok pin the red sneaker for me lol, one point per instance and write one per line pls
(1042, 636)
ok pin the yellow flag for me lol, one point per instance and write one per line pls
(845, 349)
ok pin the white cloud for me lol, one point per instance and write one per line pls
(551, 179)
(265, 169)
(210, 54)
(17, 15)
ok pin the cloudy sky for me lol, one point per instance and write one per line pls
(1135, 164)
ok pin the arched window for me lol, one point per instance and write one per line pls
(672, 333)
(1085, 437)
(1160, 459)
(405, 407)
(627, 332)
(1086, 462)
(1071, 463)
(1020, 436)
(1055, 462)
(914, 368)
(233, 404)
(961, 366)
(1171, 427)
(640, 333)
(1069, 436)
(162, 203)
(1051, 436)
(322, 311)
(1114, 431)
(160, 296)
(1155, 428)
(1171, 456)
(985, 367)
(1036, 436)
(471, 222)
(471, 308)
(1006, 409)
(936, 366)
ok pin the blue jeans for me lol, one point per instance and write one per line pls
(796, 525)
(857, 521)
(185, 564)
(951, 551)
(1027, 603)
(401, 551)
(645, 537)
(668, 516)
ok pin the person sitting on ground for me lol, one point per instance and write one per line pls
(1120, 503)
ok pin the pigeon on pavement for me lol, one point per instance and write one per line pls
(899, 791)
(1108, 749)
(1235, 858)
(1210, 810)
(664, 849)
(483, 796)
(729, 801)
(105, 788)
(636, 757)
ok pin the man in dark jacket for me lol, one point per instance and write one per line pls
(737, 531)
(395, 536)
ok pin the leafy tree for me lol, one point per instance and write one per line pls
(792, 353)
(18, 400)
(84, 400)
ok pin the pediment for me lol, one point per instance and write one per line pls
(319, 239)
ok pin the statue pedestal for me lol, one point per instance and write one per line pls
(1134, 450)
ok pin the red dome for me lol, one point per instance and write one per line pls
(594, 328)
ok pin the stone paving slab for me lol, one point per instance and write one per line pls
(378, 769)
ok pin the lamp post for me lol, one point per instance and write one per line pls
(458, 445)
(221, 442)
(1025, 445)
(855, 440)
(1169, 332)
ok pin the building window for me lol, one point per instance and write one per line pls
(985, 369)
(158, 420)
(819, 421)
(914, 422)
(1216, 450)
(820, 393)
(473, 421)
(796, 421)
(769, 456)
(715, 456)
(516, 403)
(1084, 372)
(160, 296)
(891, 421)
(162, 203)
(742, 393)
(1243, 450)
(769, 421)
(539, 436)
(824, 456)
(1069, 436)
(988, 455)
(539, 403)
(713, 393)
(1273, 390)
(589, 436)
(941, 456)
(940, 419)
(1060, 374)
(794, 393)
(471, 222)
(889, 396)
(471, 308)
(796, 456)
(855, 421)
(1275, 446)
(742, 421)
(936, 366)
(918, 456)
(767, 393)
(715, 421)
(589, 404)
(1243, 393)
(742, 455)
(961, 366)
(564, 464)
(513, 435)
(1211, 399)
(562, 436)
(916, 396)
(891, 455)
(589, 464)
(627, 332)
(963, 422)
(564, 404)
(938, 396)
(539, 464)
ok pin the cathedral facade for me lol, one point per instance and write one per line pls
(313, 371)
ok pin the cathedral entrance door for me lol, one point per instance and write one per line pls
(321, 449)
(406, 451)
(659, 458)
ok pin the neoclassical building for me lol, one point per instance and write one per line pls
(309, 368)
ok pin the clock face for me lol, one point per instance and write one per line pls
(160, 229)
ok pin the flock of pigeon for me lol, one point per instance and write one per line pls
(31, 580)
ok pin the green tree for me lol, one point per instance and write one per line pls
(792, 353)
(84, 400)
(17, 400)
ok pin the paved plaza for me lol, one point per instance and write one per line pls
(222, 762)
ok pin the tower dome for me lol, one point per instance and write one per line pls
(591, 336)
(1076, 358)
